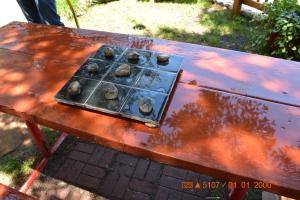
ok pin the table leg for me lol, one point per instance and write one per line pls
(33, 176)
(44, 148)
(39, 139)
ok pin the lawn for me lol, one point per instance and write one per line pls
(199, 22)
(18, 164)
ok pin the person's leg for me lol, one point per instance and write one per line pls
(48, 13)
(30, 10)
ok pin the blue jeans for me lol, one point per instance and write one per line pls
(40, 11)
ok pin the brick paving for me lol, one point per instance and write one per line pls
(117, 175)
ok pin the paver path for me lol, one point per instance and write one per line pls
(116, 175)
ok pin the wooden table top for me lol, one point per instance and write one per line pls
(221, 132)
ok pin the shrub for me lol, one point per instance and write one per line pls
(280, 6)
(282, 23)
(284, 40)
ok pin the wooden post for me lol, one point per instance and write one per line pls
(236, 9)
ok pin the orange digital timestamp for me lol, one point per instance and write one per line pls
(247, 185)
(211, 184)
(199, 185)
(187, 185)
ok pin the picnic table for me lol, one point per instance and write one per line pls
(233, 115)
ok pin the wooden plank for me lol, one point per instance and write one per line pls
(253, 4)
(237, 5)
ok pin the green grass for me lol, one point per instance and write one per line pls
(199, 22)
(50, 134)
(80, 6)
(17, 168)
(17, 165)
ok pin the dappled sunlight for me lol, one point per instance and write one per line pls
(6, 179)
(8, 40)
(14, 138)
(275, 85)
(27, 78)
(293, 155)
(11, 35)
(163, 48)
(18, 90)
(208, 55)
(40, 55)
(8, 122)
(25, 104)
(263, 62)
(226, 70)
(44, 42)
(27, 142)
(12, 76)
(127, 14)
(241, 73)
(18, 46)
(219, 65)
